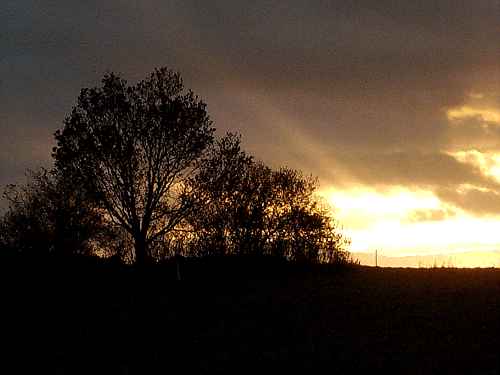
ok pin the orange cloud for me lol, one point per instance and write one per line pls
(486, 115)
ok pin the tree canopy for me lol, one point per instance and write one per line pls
(132, 147)
(248, 208)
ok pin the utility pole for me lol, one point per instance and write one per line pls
(376, 258)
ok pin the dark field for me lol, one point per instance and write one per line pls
(248, 316)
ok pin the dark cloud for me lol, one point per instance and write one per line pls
(473, 133)
(475, 201)
(337, 88)
(415, 169)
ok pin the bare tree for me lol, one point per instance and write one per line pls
(132, 148)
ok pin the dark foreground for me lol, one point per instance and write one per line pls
(234, 316)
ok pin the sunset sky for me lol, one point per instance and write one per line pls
(394, 105)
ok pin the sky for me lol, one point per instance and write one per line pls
(393, 105)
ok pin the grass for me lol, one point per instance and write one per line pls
(243, 316)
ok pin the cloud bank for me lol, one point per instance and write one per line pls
(359, 92)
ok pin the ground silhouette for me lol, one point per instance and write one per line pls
(242, 315)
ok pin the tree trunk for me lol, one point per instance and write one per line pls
(141, 250)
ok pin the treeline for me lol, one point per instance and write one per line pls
(140, 175)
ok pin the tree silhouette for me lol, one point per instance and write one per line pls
(300, 226)
(220, 189)
(131, 150)
(47, 214)
(137, 174)
(245, 207)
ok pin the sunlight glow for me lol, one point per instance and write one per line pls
(485, 114)
(381, 220)
(487, 162)
(476, 95)
(360, 208)
(394, 202)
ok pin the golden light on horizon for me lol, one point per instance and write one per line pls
(386, 221)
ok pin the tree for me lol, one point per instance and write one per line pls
(222, 195)
(132, 149)
(300, 226)
(49, 215)
(25, 225)
(245, 207)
